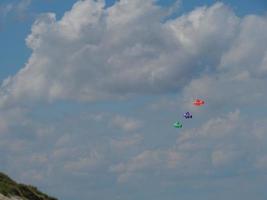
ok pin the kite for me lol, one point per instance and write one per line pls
(198, 102)
(177, 125)
(188, 115)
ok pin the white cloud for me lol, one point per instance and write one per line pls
(18, 9)
(139, 163)
(5, 10)
(126, 124)
(85, 163)
(125, 142)
(39, 158)
(22, 8)
(93, 54)
(225, 157)
(261, 162)
(119, 51)
(224, 144)
(248, 50)
(10, 118)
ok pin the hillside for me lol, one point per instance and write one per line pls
(11, 190)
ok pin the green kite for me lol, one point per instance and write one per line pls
(177, 125)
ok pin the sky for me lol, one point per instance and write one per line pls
(90, 91)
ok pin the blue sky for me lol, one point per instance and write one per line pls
(89, 95)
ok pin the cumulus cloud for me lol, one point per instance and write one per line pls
(221, 146)
(240, 79)
(85, 163)
(125, 142)
(247, 51)
(117, 122)
(18, 9)
(95, 53)
(126, 124)
(142, 162)
(9, 119)
(5, 10)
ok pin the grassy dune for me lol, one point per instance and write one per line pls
(9, 188)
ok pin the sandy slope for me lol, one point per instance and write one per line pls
(2, 197)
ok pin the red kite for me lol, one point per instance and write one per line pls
(198, 102)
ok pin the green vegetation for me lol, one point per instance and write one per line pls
(8, 187)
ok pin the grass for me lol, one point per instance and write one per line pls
(8, 187)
